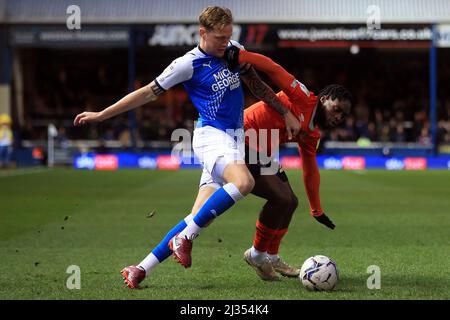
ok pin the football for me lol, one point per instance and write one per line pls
(319, 273)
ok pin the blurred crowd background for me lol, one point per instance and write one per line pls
(51, 69)
(391, 91)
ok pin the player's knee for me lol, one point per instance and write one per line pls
(281, 200)
(245, 184)
(249, 184)
(287, 202)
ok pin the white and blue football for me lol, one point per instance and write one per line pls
(319, 273)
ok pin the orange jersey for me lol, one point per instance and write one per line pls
(302, 103)
(261, 116)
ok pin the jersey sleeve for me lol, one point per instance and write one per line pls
(311, 176)
(178, 71)
(244, 67)
(293, 88)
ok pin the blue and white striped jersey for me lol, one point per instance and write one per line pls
(215, 90)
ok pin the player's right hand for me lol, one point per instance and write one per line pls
(292, 125)
(86, 117)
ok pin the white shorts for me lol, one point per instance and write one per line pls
(215, 149)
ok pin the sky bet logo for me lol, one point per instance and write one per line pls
(224, 79)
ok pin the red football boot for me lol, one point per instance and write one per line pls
(132, 276)
(182, 248)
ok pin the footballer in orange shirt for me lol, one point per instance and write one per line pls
(326, 110)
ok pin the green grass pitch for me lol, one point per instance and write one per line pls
(51, 219)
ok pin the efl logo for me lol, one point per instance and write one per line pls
(354, 163)
(415, 163)
(168, 162)
(106, 162)
(291, 162)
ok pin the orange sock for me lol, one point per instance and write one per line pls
(274, 245)
(263, 237)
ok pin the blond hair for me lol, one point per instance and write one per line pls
(215, 18)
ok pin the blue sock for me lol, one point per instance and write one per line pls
(162, 250)
(223, 199)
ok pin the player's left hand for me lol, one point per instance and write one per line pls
(323, 219)
(231, 55)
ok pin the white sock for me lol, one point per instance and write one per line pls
(149, 263)
(257, 256)
(188, 218)
(191, 231)
(273, 257)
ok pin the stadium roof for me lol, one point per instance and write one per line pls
(245, 11)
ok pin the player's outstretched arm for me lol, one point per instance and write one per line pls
(263, 92)
(130, 101)
(283, 79)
